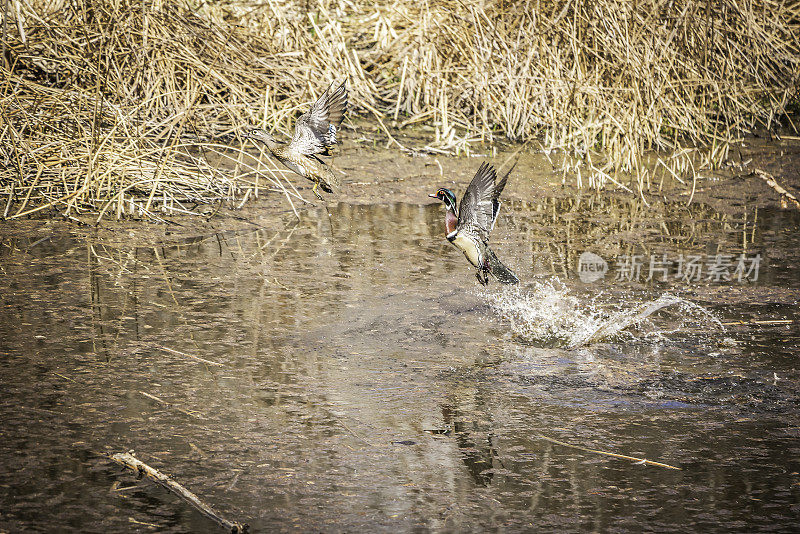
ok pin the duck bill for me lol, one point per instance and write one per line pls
(433, 196)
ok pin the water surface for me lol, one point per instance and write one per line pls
(345, 372)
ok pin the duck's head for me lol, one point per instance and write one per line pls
(446, 196)
(257, 134)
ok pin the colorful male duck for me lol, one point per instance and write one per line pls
(468, 224)
(314, 133)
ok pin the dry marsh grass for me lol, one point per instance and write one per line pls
(120, 107)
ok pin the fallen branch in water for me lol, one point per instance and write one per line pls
(773, 183)
(128, 460)
(615, 455)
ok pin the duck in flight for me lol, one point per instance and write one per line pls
(314, 133)
(469, 223)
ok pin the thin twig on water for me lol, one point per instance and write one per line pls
(191, 356)
(604, 453)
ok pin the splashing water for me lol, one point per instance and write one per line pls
(548, 314)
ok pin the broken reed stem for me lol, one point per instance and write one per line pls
(604, 453)
(761, 322)
(190, 413)
(355, 435)
(5, 32)
(191, 356)
(129, 461)
(786, 196)
(389, 135)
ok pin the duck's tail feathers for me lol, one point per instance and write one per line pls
(334, 183)
(503, 274)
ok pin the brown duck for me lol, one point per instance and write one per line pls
(314, 133)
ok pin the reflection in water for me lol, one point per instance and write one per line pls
(475, 445)
(291, 375)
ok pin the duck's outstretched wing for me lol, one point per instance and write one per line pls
(316, 130)
(498, 188)
(476, 209)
